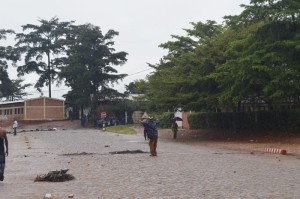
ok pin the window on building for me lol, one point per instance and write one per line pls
(20, 111)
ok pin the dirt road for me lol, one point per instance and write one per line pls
(181, 170)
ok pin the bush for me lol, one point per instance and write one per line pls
(288, 120)
(164, 119)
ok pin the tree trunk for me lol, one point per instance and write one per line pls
(49, 74)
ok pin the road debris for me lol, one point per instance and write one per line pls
(55, 176)
(127, 151)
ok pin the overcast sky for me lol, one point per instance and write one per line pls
(142, 25)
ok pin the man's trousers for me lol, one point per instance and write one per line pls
(153, 145)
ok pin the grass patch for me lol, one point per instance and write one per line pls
(123, 129)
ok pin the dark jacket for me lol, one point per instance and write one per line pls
(151, 129)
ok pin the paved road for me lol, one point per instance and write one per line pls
(179, 170)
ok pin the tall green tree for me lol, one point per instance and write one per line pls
(180, 79)
(261, 63)
(43, 45)
(18, 90)
(6, 54)
(90, 65)
(238, 78)
(6, 87)
(252, 58)
(137, 87)
(270, 10)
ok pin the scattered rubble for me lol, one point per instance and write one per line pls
(55, 176)
(127, 151)
(82, 153)
(31, 130)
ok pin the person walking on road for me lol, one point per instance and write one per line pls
(145, 119)
(174, 128)
(3, 152)
(150, 126)
(15, 126)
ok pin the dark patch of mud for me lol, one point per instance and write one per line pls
(82, 153)
(127, 152)
(111, 153)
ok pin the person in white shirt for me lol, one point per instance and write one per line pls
(15, 126)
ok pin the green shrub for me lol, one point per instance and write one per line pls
(287, 120)
(164, 119)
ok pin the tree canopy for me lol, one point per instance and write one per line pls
(253, 57)
(9, 89)
(42, 46)
(89, 65)
(80, 55)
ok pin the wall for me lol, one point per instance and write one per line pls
(32, 109)
(10, 112)
(44, 109)
(54, 109)
(185, 122)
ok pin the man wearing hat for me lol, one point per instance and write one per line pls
(150, 126)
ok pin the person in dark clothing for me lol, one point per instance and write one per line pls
(150, 126)
(71, 115)
(3, 152)
(145, 129)
(82, 119)
(174, 128)
(145, 134)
